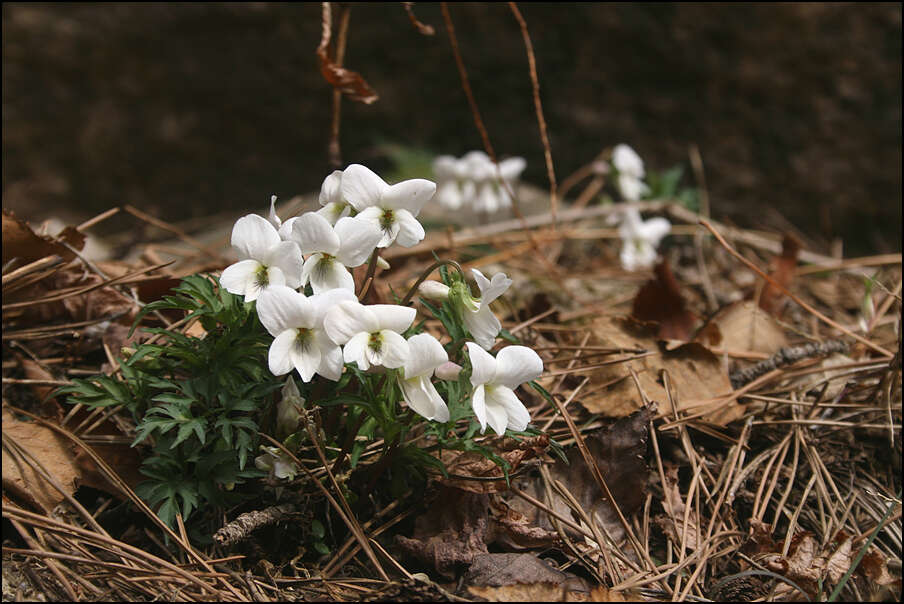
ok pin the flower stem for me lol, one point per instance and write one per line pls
(369, 276)
(407, 300)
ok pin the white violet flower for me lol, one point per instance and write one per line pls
(393, 209)
(448, 173)
(630, 171)
(300, 341)
(264, 259)
(276, 462)
(332, 249)
(426, 355)
(370, 334)
(475, 312)
(494, 381)
(334, 205)
(640, 239)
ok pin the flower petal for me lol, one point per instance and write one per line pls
(253, 236)
(347, 319)
(411, 232)
(330, 190)
(517, 413)
(426, 355)
(654, 229)
(361, 187)
(280, 308)
(491, 289)
(330, 356)
(279, 357)
(512, 167)
(445, 167)
(306, 359)
(483, 365)
(394, 350)
(478, 404)
(286, 256)
(375, 216)
(324, 301)
(313, 233)
(357, 240)
(334, 211)
(240, 277)
(516, 365)
(497, 417)
(392, 316)
(355, 351)
(422, 397)
(274, 218)
(409, 195)
(448, 194)
(483, 326)
(326, 273)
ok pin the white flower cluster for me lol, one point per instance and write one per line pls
(473, 180)
(639, 238)
(318, 334)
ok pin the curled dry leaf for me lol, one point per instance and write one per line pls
(20, 241)
(660, 301)
(620, 453)
(784, 266)
(50, 453)
(451, 533)
(744, 327)
(514, 530)
(696, 375)
(471, 471)
(348, 82)
(672, 522)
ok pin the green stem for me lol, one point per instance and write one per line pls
(407, 300)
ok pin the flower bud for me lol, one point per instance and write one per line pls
(448, 371)
(382, 263)
(288, 409)
(433, 290)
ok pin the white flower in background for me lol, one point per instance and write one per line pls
(289, 409)
(370, 334)
(630, 172)
(330, 249)
(300, 341)
(495, 380)
(474, 180)
(276, 462)
(264, 259)
(640, 239)
(475, 312)
(448, 173)
(393, 209)
(426, 355)
(334, 205)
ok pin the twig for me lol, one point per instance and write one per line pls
(245, 524)
(334, 149)
(786, 356)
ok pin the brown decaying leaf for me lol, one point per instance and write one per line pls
(696, 375)
(743, 326)
(448, 536)
(514, 530)
(660, 301)
(546, 592)
(20, 241)
(784, 266)
(620, 452)
(49, 451)
(349, 82)
(672, 522)
(498, 570)
(473, 465)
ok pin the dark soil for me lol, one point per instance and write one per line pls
(185, 109)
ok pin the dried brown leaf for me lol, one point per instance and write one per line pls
(784, 267)
(696, 375)
(348, 82)
(497, 570)
(745, 327)
(619, 451)
(514, 530)
(450, 534)
(660, 300)
(20, 241)
(673, 521)
(472, 471)
(52, 454)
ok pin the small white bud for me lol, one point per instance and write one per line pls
(433, 290)
(381, 263)
(448, 371)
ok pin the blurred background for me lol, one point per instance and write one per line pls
(185, 110)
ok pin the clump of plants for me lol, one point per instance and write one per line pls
(286, 339)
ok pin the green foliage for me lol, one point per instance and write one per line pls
(667, 185)
(197, 402)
